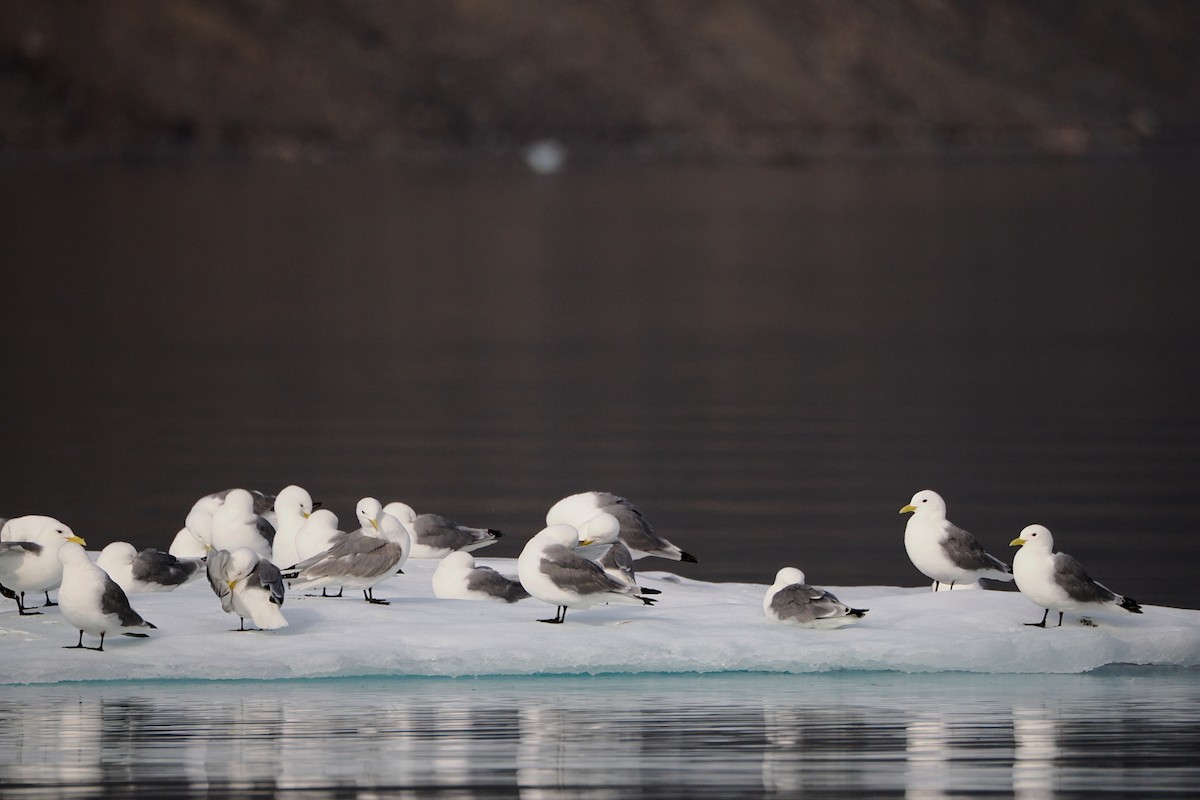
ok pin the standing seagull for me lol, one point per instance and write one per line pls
(148, 571)
(19, 529)
(1057, 581)
(793, 602)
(636, 532)
(236, 524)
(32, 565)
(944, 552)
(551, 571)
(293, 506)
(457, 578)
(248, 586)
(92, 601)
(434, 536)
(359, 559)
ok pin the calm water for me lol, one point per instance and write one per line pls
(769, 362)
(1121, 734)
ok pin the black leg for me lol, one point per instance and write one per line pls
(75, 646)
(1041, 624)
(952, 584)
(49, 602)
(369, 594)
(937, 585)
(559, 617)
(340, 590)
(22, 609)
(1059, 617)
(100, 649)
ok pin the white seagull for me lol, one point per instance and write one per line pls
(148, 571)
(359, 559)
(551, 571)
(236, 524)
(458, 578)
(248, 586)
(793, 602)
(19, 529)
(1057, 581)
(941, 550)
(293, 506)
(92, 601)
(435, 536)
(636, 532)
(32, 565)
(607, 550)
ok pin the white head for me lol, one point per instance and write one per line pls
(54, 533)
(926, 503)
(573, 510)
(401, 511)
(118, 554)
(242, 562)
(788, 576)
(600, 529)
(323, 518)
(293, 500)
(71, 552)
(458, 560)
(1035, 537)
(239, 500)
(368, 512)
(566, 535)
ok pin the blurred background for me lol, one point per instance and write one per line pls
(767, 269)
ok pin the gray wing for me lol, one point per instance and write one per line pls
(619, 558)
(635, 530)
(262, 503)
(805, 603)
(25, 547)
(435, 530)
(155, 566)
(353, 555)
(114, 601)
(965, 551)
(218, 565)
(267, 576)
(1074, 580)
(265, 529)
(574, 573)
(490, 582)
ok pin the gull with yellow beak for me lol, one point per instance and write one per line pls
(30, 564)
(941, 550)
(1056, 581)
(293, 506)
(249, 586)
(92, 601)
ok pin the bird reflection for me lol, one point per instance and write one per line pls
(1036, 734)
(927, 758)
(577, 749)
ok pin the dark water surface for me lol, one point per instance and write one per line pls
(1116, 733)
(769, 363)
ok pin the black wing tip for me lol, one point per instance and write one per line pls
(857, 612)
(132, 635)
(644, 590)
(688, 557)
(1129, 604)
(495, 533)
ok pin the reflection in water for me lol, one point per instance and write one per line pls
(634, 736)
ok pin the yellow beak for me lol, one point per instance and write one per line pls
(77, 540)
(232, 584)
(304, 514)
(908, 509)
(1017, 542)
(586, 542)
(374, 524)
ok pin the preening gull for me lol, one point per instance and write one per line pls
(32, 565)
(551, 571)
(248, 586)
(944, 552)
(793, 602)
(359, 559)
(458, 578)
(434, 536)
(636, 532)
(606, 549)
(148, 571)
(236, 524)
(19, 529)
(199, 522)
(1057, 581)
(293, 506)
(92, 601)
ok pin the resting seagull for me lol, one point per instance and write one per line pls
(551, 571)
(148, 571)
(19, 529)
(32, 565)
(458, 578)
(359, 559)
(293, 506)
(1057, 581)
(793, 602)
(636, 532)
(92, 601)
(434, 536)
(944, 552)
(248, 586)
(603, 531)
(236, 524)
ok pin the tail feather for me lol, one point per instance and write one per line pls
(688, 557)
(856, 612)
(1129, 604)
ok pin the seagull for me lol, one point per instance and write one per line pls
(434, 536)
(32, 565)
(249, 586)
(198, 523)
(793, 602)
(92, 601)
(458, 578)
(293, 506)
(359, 559)
(19, 529)
(636, 532)
(148, 571)
(236, 524)
(944, 552)
(603, 531)
(1057, 581)
(551, 571)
